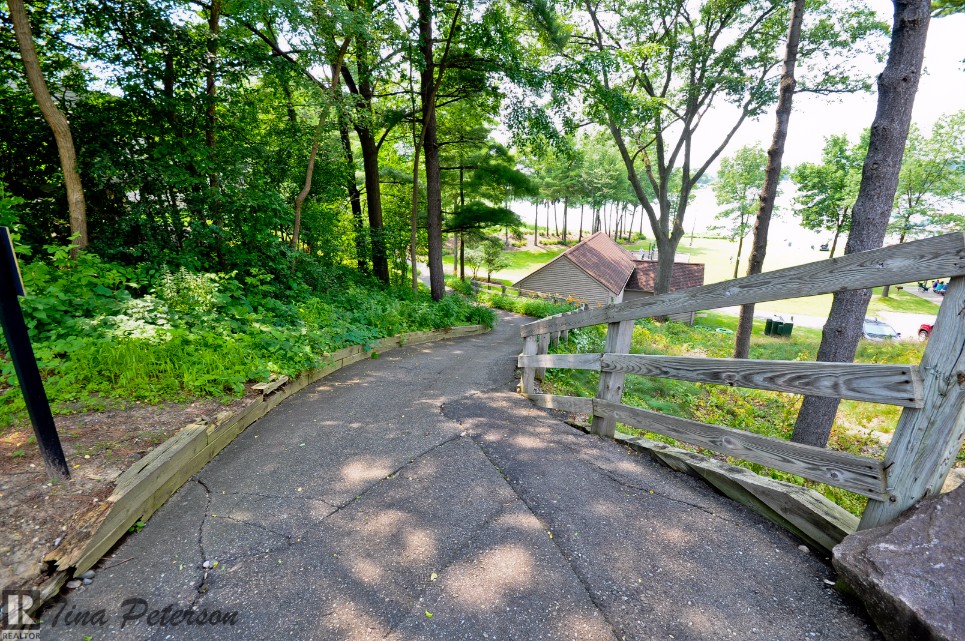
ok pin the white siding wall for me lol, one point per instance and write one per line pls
(564, 279)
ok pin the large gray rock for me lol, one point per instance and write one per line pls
(911, 573)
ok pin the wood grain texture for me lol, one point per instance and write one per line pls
(936, 257)
(855, 473)
(561, 361)
(927, 440)
(527, 382)
(891, 384)
(542, 347)
(618, 338)
(801, 510)
(575, 404)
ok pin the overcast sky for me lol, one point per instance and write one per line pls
(942, 90)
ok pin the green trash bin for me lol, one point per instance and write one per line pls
(776, 328)
(786, 329)
(768, 326)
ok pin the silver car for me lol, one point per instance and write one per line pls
(876, 330)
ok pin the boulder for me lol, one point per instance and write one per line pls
(956, 476)
(910, 573)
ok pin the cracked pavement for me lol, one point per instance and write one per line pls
(418, 497)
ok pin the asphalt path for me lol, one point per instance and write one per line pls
(416, 496)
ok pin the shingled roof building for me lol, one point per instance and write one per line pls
(598, 271)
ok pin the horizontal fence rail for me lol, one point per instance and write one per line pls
(888, 384)
(929, 433)
(918, 260)
(859, 474)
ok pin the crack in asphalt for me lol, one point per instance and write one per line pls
(454, 558)
(202, 587)
(583, 581)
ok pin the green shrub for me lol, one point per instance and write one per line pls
(98, 334)
(534, 307)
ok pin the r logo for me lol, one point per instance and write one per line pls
(16, 604)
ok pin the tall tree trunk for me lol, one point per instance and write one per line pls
(430, 152)
(355, 199)
(556, 222)
(737, 259)
(536, 226)
(772, 174)
(565, 213)
(373, 202)
(428, 87)
(76, 204)
(310, 170)
(897, 86)
(580, 239)
(211, 111)
(462, 256)
(307, 187)
(837, 235)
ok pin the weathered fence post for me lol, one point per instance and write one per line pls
(926, 440)
(544, 344)
(526, 382)
(618, 338)
(504, 290)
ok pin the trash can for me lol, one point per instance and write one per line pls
(768, 326)
(786, 329)
(776, 328)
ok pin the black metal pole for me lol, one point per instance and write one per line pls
(24, 362)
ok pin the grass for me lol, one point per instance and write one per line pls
(101, 340)
(523, 261)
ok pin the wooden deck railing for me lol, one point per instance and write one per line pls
(932, 394)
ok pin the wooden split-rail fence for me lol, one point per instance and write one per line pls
(928, 435)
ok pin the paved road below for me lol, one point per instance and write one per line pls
(417, 497)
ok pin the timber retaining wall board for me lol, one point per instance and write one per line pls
(152, 480)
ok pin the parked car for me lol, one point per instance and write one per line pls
(876, 330)
(924, 332)
(825, 248)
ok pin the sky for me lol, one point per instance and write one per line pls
(941, 90)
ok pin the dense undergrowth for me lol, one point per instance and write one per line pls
(103, 331)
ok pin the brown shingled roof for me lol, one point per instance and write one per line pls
(604, 260)
(684, 275)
